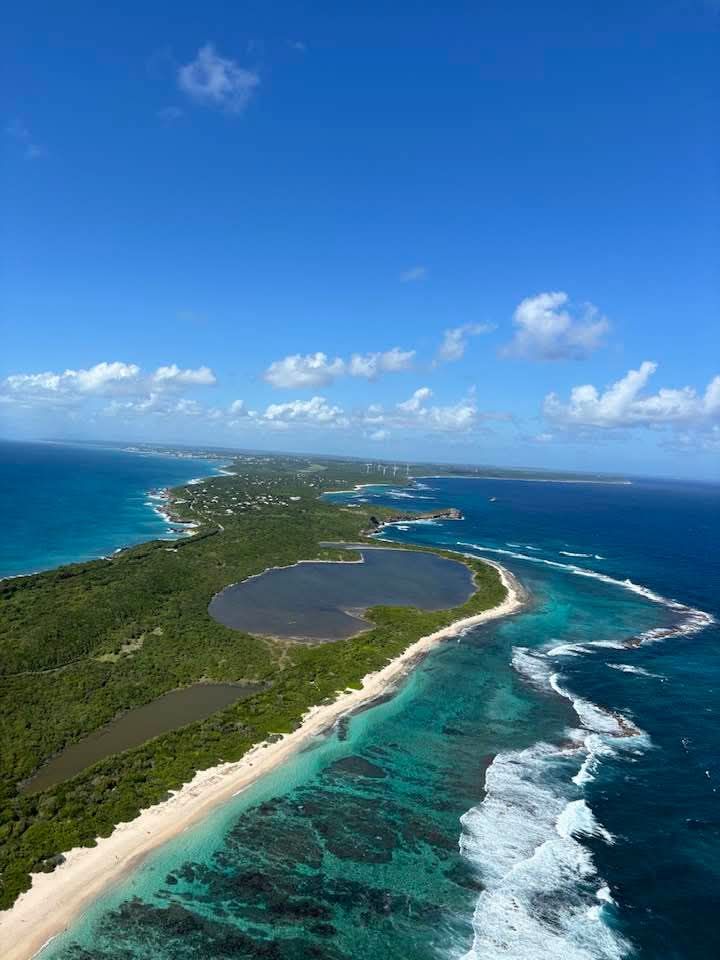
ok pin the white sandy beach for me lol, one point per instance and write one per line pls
(56, 899)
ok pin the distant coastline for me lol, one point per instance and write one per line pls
(156, 500)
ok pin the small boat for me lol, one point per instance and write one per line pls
(493, 499)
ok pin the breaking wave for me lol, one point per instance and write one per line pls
(640, 671)
(542, 893)
(693, 619)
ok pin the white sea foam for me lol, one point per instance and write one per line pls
(596, 748)
(567, 650)
(640, 671)
(578, 820)
(541, 896)
(539, 879)
(538, 670)
(568, 553)
(693, 620)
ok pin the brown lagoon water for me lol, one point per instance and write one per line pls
(325, 601)
(175, 709)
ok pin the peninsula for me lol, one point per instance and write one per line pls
(86, 644)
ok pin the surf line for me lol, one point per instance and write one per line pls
(694, 619)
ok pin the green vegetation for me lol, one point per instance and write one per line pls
(81, 644)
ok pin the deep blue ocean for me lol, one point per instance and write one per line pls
(70, 503)
(543, 788)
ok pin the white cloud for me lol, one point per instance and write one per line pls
(371, 365)
(623, 405)
(413, 273)
(380, 435)
(312, 370)
(105, 379)
(547, 329)
(455, 340)
(217, 81)
(172, 374)
(316, 410)
(100, 379)
(413, 404)
(318, 370)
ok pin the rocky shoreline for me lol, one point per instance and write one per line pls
(450, 513)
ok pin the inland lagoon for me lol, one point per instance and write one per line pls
(169, 712)
(317, 600)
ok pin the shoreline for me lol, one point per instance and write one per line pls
(56, 899)
(161, 494)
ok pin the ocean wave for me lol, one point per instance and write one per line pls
(694, 620)
(542, 895)
(640, 671)
(578, 820)
(567, 650)
(538, 669)
(568, 553)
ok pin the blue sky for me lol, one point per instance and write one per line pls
(480, 232)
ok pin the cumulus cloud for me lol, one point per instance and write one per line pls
(460, 417)
(371, 365)
(413, 273)
(316, 410)
(623, 403)
(105, 379)
(455, 341)
(318, 370)
(172, 374)
(415, 402)
(548, 329)
(217, 81)
(311, 370)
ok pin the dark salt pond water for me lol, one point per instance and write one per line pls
(325, 601)
(175, 709)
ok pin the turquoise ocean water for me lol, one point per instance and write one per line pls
(64, 504)
(544, 787)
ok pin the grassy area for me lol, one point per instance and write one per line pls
(81, 644)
